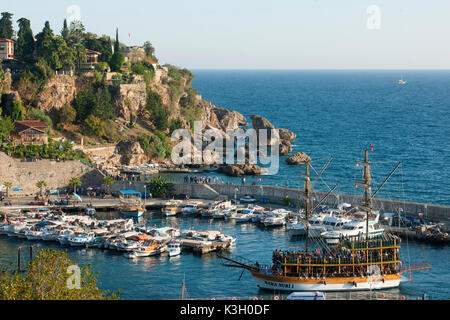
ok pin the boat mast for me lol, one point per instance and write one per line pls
(367, 185)
(307, 189)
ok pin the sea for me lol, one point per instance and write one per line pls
(335, 114)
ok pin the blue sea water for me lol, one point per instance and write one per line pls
(334, 113)
(340, 113)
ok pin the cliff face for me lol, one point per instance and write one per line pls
(59, 91)
(130, 99)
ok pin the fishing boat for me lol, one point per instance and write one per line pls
(366, 263)
(247, 199)
(131, 203)
(171, 209)
(174, 249)
(147, 250)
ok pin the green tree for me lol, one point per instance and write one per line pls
(25, 42)
(79, 54)
(17, 111)
(65, 32)
(159, 186)
(102, 45)
(6, 26)
(108, 181)
(50, 276)
(41, 185)
(117, 61)
(157, 112)
(94, 126)
(8, 185)
(53, 50)
(67, 114)
(6, 127)
(75, 182)
(149, 49)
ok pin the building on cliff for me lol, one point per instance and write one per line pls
(30, 132)
(6, 49)
(91, 59)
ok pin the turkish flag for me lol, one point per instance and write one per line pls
(371, 147)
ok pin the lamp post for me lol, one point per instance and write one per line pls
(235, 195)
(145, 194)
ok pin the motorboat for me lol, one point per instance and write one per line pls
(276, 220)
(174, 249)
(81, 240)
(247, 199)
(190, 208)
(354, 229)
(131, 204)
(171, 209)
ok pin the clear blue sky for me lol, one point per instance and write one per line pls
(263, 34)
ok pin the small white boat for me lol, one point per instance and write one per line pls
(306, 296)
(190, 208)
(81, 240)
(276, 220)
(90, 211)
(247, 199)
(174, 249)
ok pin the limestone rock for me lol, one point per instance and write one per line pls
(131, 99)
(131, 153)
(285, 148)
(287, 135)
(298, 158)
(238, 170)
(59, 91)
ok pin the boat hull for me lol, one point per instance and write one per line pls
(280, 283)
(135, 214)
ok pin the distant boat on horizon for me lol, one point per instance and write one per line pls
(401, 81)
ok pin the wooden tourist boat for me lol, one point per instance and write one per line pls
(365, 263)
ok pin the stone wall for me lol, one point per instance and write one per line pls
(55, 174)
(277, 194)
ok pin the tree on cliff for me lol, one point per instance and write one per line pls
(6, 27)
(51, 275)
(53, 49)
(8, 185)
(6, 127)
(65, 32)
(117, 59)
(75, 182)
(25, 42)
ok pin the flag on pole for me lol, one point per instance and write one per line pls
(371, 147)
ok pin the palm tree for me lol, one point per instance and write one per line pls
(8, 185)
(75, 182)
(41, 185)
(108, 181)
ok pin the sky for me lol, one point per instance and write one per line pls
(263, 34)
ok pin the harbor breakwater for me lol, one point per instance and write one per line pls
(274, 194)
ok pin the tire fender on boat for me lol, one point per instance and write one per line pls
(276, 298)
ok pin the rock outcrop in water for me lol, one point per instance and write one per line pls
(298, 158)
(285, 136)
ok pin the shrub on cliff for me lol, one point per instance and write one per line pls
(117, 61)
(94, 126)
(156, 109)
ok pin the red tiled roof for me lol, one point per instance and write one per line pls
(89, 51)
(24, 125)
(6, 40)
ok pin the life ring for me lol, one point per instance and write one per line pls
(317, 251)
(402, 298)
(234, 298)
(213, 298)
(255, 298)
(276, 298)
